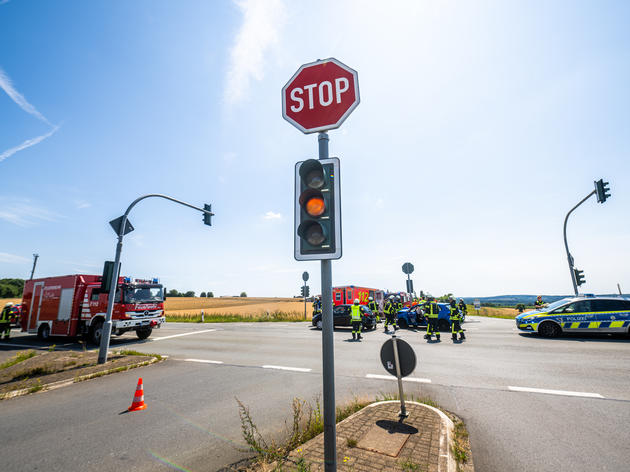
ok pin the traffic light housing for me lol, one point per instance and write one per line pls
(305, 291)
(603, 190)
(317, 210)
(207, 217)
(579, 277)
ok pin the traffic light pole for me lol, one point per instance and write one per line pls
(328, 353)
(107, 326)
(566, 245)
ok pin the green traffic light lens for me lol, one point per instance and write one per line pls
(314, 234)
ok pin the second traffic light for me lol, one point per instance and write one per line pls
(305, 291)
(603, 190)
(317, 229)
(207, 215)
(579, 277)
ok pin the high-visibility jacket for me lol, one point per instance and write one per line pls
(373, 306)
(388, 308)
(317, 306)
(355, 312)
(5, 316)
(432, 310)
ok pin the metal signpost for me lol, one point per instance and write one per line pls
(122, 226)
(399, 360)
(319, 97)
(35, 257)
(408, 268)
(305, 279)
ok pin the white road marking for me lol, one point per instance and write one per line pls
(391, 377)
(182, 334)
(555, 392)
(24, 345)
(202, 361)
(280, 367)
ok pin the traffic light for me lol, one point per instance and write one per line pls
(308, 291)
(207, 216)
(317, 210)
(603, 190)
(579, 276)
(305, 291)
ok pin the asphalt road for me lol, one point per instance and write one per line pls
(579, 423)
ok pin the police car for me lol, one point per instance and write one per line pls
(583, 314)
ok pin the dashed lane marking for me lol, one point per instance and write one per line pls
(391, 377)
(202, 361)
(182, 334)
(280, 367)
(555, 392)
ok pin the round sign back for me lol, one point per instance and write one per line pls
(407, 268)
(305, 276)
(406, 356)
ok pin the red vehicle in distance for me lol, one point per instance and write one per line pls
(346, 294)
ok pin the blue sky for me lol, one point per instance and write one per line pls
(480, 125)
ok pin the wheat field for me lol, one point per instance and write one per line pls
(246, 306)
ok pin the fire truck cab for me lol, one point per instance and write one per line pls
(347, 293)
(74, 305)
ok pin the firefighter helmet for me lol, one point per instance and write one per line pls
(371, 299)
(356, 301)
(8, 304)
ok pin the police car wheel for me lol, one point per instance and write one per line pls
(549, 329)
(403, 323)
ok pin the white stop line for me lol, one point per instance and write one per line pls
(555, 392)
(280, 367)
(391, 377)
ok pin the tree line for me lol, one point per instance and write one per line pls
(11, 288)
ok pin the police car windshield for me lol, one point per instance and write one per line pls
(143, 294)
(554, 305)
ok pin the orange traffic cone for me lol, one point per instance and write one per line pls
(138, 398)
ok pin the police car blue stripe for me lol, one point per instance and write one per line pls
(604, 324)
(584, 325)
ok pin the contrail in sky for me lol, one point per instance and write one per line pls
(18, 98)
(28, 143)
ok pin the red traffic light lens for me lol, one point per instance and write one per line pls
(315, 206)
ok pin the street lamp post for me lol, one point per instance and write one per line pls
(125, 228)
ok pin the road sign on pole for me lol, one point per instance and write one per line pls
(305, 276)
(399, 360)
(320, 96)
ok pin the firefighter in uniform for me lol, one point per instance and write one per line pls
(539, 303)
(373, 306)
(456, 318)
(355, 316)
(432, 310)
(317, 306)
(462, 308)
(5, 320)
(389, 307)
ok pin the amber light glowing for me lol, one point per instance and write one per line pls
(315, 206)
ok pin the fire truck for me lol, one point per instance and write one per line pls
(75, 305)
(347, 294)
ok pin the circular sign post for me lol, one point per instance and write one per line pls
(398, 359)
(320, 95)
(407, 268)
(305, 276)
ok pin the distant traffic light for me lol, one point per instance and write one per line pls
(207, 216)
(305, 291)
(579, 277)
(317, 210)
(603, 190)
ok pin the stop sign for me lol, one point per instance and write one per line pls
(320, 95)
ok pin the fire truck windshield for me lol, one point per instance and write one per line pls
(143, 294)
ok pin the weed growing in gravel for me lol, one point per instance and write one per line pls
(19, 357)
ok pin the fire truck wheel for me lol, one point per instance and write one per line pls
(144, 333)
(95, 332)
(43, 332)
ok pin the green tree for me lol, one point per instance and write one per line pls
(202, 294)
(173, 293)
(210, 294)
(189, 294)
(520, 307)
(243, 294)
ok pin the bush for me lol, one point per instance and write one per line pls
(210, 295)
(243, 294)
(202, 294)
(520, 307)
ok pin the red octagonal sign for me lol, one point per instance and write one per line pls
(320, 96)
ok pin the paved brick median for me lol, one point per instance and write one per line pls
(367, 431)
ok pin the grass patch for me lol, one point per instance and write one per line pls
(461, 445)
(493, 312)
(19, 357)
(37, 387)
(235, 317)
(351, 442)
(131, 352)
(408, 465)
(34, 372)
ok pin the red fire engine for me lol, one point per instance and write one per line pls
(73, 305)
(347, 294)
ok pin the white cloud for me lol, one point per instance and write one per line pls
(27, 144)
(12, 258)
(18, 98)
(262, 21)
(23, 213)
(270, 215)
(81, 204)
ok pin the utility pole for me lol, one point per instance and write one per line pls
(35, 257)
